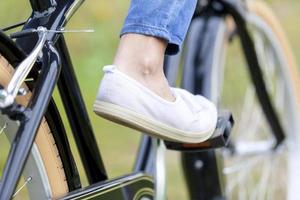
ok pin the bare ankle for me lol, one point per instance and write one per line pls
(142, 54)
(142, 57)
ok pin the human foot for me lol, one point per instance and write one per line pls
(122, 99)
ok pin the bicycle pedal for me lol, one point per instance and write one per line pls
(220, 137)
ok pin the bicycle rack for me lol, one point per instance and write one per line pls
(220, 137)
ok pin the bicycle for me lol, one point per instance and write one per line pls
(40, 55)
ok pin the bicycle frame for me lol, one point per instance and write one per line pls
(201, 84)
(57, 15)
(57, 68)
(68, 85)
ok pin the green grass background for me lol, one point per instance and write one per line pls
(90, 51)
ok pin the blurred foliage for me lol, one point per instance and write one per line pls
(91, 51)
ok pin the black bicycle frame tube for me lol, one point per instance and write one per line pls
(255, 70)
(30, 121)
(78, 118)
(209, 182)
(14, 56)
(201, 169)
(54, 14)
(51, 14)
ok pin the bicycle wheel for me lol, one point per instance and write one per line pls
(44, 175)
(255, 170)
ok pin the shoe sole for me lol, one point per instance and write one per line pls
(147, 125)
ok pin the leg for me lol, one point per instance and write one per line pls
(149, 28)
(141, 57)
(134, 90)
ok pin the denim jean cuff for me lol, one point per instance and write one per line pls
(173, 41)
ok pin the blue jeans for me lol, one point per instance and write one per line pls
(166, 19)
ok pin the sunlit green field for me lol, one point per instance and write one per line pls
(90, 51)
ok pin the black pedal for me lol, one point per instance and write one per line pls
(220, 137)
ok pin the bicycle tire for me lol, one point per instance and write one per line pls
(207, 42)
(44, 155)
(247, 175)
(263, 10)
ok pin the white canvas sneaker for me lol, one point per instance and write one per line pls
(189, 119)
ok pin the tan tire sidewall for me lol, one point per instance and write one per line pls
(44, 140)
(262, 10)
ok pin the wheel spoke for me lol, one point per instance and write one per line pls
(265, 175)
(279, 97)
(26, 182)
(3, 128)
(256, 171)
(271, 190)
(242, 170)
